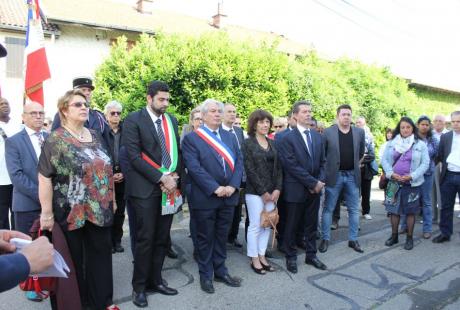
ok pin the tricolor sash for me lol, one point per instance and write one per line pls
(170, 202)
(220, 147)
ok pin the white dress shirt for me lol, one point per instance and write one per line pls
(34, 139)
(453, 160)
(304, 136)
(10, 129)
(224, 127)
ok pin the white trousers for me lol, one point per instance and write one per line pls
(257, 235)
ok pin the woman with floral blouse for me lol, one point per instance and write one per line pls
(76, 191)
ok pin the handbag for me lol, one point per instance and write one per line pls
(383, 181)
(270, 219)
(42, 286)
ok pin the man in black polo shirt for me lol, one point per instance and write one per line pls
(344, 146)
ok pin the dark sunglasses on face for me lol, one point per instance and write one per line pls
(278, 126)
(80, 104)
(113, 113)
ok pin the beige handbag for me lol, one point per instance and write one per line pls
(270, 219)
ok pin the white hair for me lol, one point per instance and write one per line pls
(113, 104)
(204, 107)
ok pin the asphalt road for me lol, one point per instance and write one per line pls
(428, 277)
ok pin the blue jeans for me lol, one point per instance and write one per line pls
(346, 182)
(450, 187)
(425, 200)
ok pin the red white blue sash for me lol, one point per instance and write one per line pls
(221, 148)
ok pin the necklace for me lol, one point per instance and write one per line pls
(74, 133)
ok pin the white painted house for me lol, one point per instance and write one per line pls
(79, 35)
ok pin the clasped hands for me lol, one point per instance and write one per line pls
(224, 191)
(401, 178)
(318, 187)
(168, 183)
(274, 196)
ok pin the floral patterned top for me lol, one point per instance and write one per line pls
(82, 178)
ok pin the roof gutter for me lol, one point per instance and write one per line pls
(99, 26)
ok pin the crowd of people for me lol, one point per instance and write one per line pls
(77, 179)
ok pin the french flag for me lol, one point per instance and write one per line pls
(36, 68)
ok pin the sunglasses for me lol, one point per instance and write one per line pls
(278, 126)
(36, 113)
(113, 113)
(80, 104)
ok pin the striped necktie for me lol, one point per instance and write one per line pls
(165, 159)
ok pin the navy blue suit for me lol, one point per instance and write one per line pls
(212, 215)
(22, 161)
(15, 269)
(302, 170)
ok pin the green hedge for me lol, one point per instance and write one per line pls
(249, 76)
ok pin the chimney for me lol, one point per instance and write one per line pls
(144, 6)
(218, 20)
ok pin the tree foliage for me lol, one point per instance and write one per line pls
(249, 76)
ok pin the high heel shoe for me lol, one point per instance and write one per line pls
(257, 270)
(268, 267)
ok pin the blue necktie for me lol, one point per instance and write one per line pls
(165, 159)
(309, 142)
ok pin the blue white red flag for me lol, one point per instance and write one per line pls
(36, 68)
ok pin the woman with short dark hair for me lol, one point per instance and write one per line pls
(404, 161)
(263, 185)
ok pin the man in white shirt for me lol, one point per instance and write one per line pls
(449, 156)
(7, 129)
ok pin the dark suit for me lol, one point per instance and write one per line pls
(22, 161)
(212, 215)
(234, 228)
(281, 204)
(144, 194)
(302, 169)
(449, 184)
(15, 269)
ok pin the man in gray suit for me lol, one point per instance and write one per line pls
(22, 152)
(344, 149)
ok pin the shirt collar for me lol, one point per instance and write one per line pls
(30, 131)
(152, 115)
(225, 127)
(301, 128)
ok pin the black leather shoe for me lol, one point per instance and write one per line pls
(440, 238)
(164, 290)
(140, 299)
(268, 254)
(323, 246)
(171, 253)
(228, 280)
(392, 240)
(409, 244)
(291, 266)
(355, 246)
(236, 243)
(315, 262)
(206, 286)
(118, 248)
(150, 288)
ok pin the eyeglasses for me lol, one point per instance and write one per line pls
(197, 119)
(36, 113)
(113, 113)
(80, 104)
(281, 126)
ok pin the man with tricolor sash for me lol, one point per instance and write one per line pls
(151, 138)
(215, 168)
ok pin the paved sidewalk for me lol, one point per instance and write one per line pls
(428, 277)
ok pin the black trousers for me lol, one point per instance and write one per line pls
(365, 195)
(91, 251)
(119, 216)
(294, 212)
(235, 227)
(24, 220)
(6, 200)
(152, 238)
(281, 205)
(212, 226)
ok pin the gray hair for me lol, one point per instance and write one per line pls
(455, 113)
(204, 107)
(113, 104)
